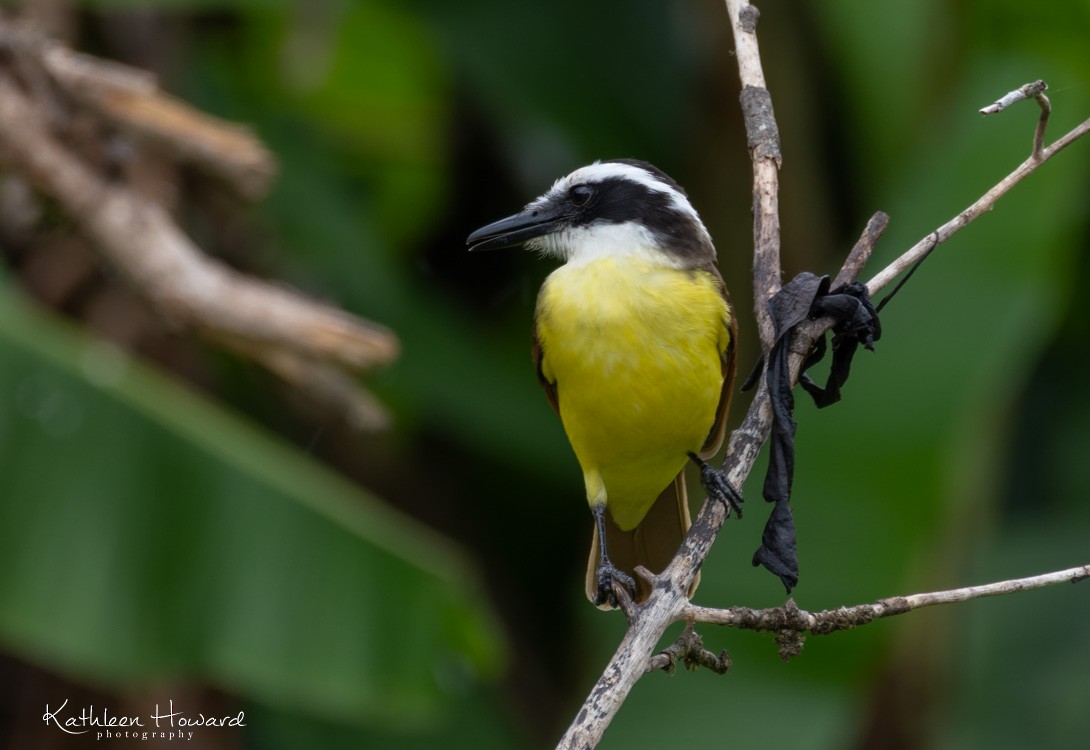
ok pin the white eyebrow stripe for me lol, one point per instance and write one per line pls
(598, 172)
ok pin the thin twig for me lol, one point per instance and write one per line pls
(1035, 90)
(1026, 91)
(861, 251)
(790, 617)
(689, 650)
(1031, 91)
(981, 206)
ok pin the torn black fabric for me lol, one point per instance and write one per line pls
(804, 297)
(777, 551)
(789, 307)
(857, 323)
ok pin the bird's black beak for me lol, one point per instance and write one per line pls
(514, 230)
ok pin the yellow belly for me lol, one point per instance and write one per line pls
(635, 352)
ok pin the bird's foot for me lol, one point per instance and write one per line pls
(609, 575)
(718, 486)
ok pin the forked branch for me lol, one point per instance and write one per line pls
(668, 603)
(317, 347)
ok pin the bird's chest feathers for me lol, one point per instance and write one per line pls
(620, 318)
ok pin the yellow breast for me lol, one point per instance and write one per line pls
(634, 349)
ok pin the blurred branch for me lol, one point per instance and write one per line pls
(309, 343)
(325, 383)
(668, 602)
(130, 99)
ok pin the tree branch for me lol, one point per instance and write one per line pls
(790, 618)
(981, 206)
(649, 620)
(667, 602)
(763, 137)
(1035, 90)
(315, 346)
(689, 649)
(131, 99)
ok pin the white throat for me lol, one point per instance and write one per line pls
(578, 246)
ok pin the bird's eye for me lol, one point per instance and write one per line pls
(580, 194)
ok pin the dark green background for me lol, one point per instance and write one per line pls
(155, 536)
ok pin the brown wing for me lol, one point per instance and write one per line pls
(549, 386)
(719, 427)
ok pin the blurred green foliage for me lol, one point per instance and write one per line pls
(148, 532)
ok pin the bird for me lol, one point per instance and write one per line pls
(634, 342)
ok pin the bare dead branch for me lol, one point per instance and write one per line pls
(689, 650)
(981, 206)
(327, 385)
(764, 146)
(667, 604)
(131, 99)
(1035, 90)
(649, 620)
(1027, 91)
(188, 287)
(286, 331)
(790, 618)
(862, 250)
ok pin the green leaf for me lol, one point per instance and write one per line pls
(148, 534)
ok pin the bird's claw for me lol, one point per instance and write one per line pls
(719, 488)
(609, 575)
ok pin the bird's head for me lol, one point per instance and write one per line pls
(622, 207)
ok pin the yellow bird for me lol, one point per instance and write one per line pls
(634, 343)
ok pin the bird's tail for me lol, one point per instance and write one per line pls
(652, 543)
